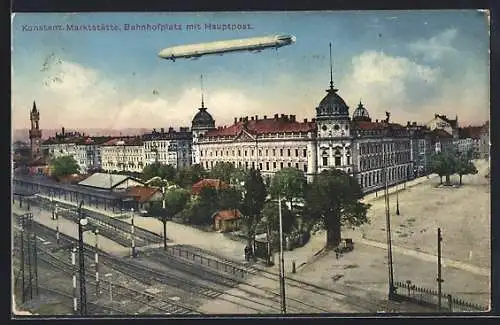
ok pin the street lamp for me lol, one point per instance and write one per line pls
(133, 233)
(282, 262)
(82, 222)
(57, 224)
(397, 202)
(96, 232)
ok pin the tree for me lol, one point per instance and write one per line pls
(465, 167)
(228, 198)
(187, 176)
(289, 184)
(64, 166)
(175, 202)
(222, 171)
(255, 194)
(158, 170)
(270, 215)
(333, 197)
(443, 164)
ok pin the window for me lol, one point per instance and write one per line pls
(274, 165)
(274, 152)
(267, 165)
(232, 153)
(337, 158)
(260, 152)
(246, 153)
(260, 166)
(281, 165)
(267, 152)
(289, 164)
(336, 127)
(281, 152)
(304, 152)
(348, 159)
(297, 165)
(324, 127)
(216, 153)
(325, 161)
(252, 152)
(246, 165)
(253, 165)
(296, 152)
(305, 168)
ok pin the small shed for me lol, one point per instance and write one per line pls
(227, 220)
(208, 182)
(144, 195)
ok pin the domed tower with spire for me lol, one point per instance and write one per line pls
(333, 130)
(202, 122)
(35, 133)
(361, 114)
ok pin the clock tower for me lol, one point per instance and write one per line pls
(35, 132)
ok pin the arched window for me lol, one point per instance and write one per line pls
(348, 156)
(325, 158)
(337, 158)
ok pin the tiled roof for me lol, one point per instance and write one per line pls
(208, 182)
(126, 141)
(104, 180)
(40, 161)
(227, 214)
(142, 193)
(473, 132)
(440, 133)
(72, 179)
(264, 126)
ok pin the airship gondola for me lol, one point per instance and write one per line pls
(254, 44)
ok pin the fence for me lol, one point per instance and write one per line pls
(216, 264)
(430, 297)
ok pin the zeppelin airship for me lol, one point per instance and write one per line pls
(254, 44)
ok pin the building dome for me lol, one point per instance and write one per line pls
(332, 105)
(203, 120)
(361, 114)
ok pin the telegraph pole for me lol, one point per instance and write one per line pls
(133, 233)
(73, 263)
(30, 271)
(388, 231)
(97, 261)
(23, 259)
(439, 278)
(81, 257)
(35, 263)
(282, 262)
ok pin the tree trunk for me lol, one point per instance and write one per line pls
(440, 179)
(333, 235)
(164, 234)
(447, 179)
(460, 179)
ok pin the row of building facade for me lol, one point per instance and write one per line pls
(333, 139)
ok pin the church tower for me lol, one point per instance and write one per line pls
(333, 130)
(35, 133)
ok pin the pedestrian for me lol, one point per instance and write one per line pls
(337, 253)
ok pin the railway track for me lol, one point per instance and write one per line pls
(146, 235)
(349, 295)
(114, 229)
(153, 301)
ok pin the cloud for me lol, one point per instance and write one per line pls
(412, 91)
(385, 82)
(74, 96)
(436, 47)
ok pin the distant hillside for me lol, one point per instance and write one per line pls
(23, 134)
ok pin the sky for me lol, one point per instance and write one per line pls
(411, 63)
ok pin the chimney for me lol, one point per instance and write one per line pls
(162, 130)
(241, 119)
(414, 123)
(251, 118)
(408, 123)
(275, 116)
(265, 117)
(246, 119)
(292, 118)
(376, 121)
(305, 120)
(283, 116)
(256, 117)
(62, 131)
(170, 129)
(154, 130)
(235, 120)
